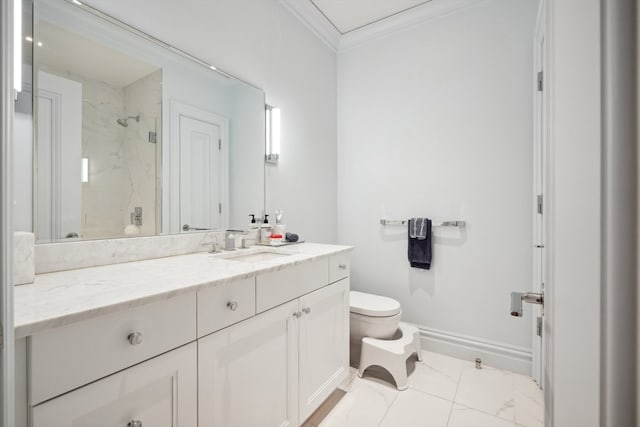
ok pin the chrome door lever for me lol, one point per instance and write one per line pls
(518, 297)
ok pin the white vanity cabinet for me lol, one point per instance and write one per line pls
(262, 348)
(276, 368)
(323, 350)
(160, 392)
(248, 373)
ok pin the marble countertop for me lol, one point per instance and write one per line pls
(56, 299)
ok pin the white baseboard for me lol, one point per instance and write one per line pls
(497, 355)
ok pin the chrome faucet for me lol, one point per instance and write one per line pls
(230, 239)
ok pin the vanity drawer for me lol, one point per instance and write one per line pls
(73, 355)
(339, 266)
(277, 287)
(224, 305)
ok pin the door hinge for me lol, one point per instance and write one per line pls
(540, 81)
(539, 203)
(220, 208)
(219, 144)
(539, 326)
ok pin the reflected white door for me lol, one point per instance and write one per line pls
(59, 151)
(200, 173)
(195, 183)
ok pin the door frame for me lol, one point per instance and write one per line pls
(59, 207)
(171, 156)
(7, 336)
(539, 181)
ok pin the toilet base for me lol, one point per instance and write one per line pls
(391, 354)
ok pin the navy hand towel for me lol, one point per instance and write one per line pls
(420, 246)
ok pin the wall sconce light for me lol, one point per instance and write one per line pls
(272, 115)
(85, 170)
(17, 45)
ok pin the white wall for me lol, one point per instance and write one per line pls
(262, 43)
(22, 176)
(574, 276)
(436, 121)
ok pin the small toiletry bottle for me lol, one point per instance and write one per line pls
(279, 227)
(276, 239)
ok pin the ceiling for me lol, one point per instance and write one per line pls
(349, 15)
(64, 51)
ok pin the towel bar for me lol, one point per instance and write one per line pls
(457, 223)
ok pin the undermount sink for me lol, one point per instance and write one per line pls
(256, 256)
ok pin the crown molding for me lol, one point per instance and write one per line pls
(320, 26)
(402, 21)
(315, 21)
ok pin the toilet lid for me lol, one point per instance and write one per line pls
(373, 305)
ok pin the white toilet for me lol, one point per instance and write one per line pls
(373, 316)
(378, 338)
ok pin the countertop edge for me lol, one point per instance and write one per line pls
(31, 328)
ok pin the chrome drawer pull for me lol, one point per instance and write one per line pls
(134, 423)
(297, 314)
(135, 338)
(342, 266)
(306, 310)
(233, 305)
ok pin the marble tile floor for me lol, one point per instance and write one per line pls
(443, 392)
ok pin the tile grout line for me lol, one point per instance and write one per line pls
(389, 408)
(455, 395)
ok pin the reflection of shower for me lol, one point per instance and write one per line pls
(125, 121)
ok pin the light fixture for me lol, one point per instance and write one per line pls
(17, 45)
(272, 120)
(85, 170)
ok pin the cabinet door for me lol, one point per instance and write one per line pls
(248, 373)
(160, 392)
(324, 344)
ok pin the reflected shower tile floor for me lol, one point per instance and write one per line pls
(443, 392)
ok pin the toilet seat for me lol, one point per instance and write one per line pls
(373, 305)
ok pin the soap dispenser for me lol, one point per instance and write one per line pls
(252, 223)
(265, 230)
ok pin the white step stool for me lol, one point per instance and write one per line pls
(391, 354)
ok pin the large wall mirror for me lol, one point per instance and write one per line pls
(132, 136)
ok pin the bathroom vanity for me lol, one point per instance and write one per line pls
(247, 338)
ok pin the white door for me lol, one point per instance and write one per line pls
(160, 393)
(324, 344)
(200, 173)
(195, 183)
(59, 153)
(539, 171)
(248, 373)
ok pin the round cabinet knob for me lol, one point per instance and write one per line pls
(134, 423)
(342, 266)
(233, 305)
(297, 314)
(135, 338)
(306, 310)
